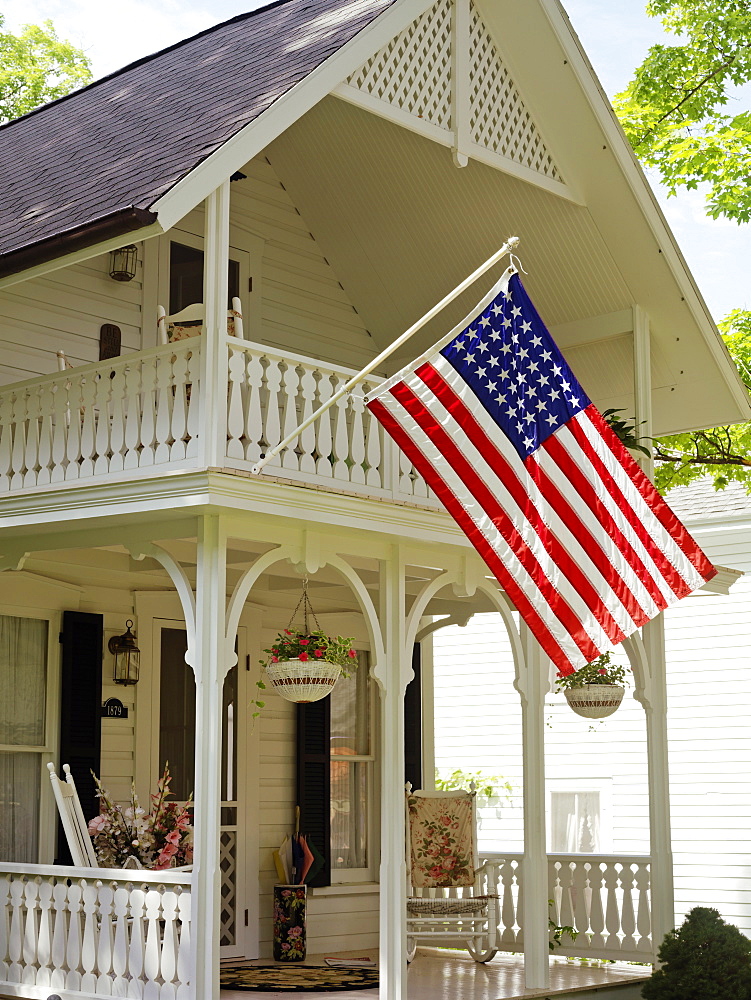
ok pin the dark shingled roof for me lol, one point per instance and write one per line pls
(92, 164)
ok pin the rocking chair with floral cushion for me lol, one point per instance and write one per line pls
(452, 899)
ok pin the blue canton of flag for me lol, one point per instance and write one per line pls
(516, 371)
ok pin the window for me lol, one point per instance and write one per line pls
(352, 774)
(186, 277)
(578, 818)
(23, 736)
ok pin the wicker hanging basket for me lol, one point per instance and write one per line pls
(595, 701)
(301, 681)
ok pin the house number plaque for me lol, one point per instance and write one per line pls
(113, 708)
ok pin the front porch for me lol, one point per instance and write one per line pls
(438, 974)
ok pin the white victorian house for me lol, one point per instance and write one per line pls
(331, 170)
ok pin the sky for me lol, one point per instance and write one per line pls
(616, 36)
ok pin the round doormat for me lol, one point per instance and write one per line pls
(297, 979)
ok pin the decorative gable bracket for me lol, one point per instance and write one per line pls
(443, 77)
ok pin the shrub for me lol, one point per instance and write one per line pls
(704, 959)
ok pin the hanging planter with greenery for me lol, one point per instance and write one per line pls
(304, 664)
(596, 689)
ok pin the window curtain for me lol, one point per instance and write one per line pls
(23, 682)
(350, 736)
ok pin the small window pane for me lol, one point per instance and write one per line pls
(350, 712)
(186, 277)
(349, 811)
(229, 737)
(575, 822)
(23, 680)
(19, 807)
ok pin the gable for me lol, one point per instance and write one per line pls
(444, 77)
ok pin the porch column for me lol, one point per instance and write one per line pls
(393, 677)
(655, 700)
(210, 666)
(535, 685)
(213, 398)
(658, 776)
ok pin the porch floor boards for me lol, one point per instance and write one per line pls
(441, 975)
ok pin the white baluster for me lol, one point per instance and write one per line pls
(31, 893)
(117, 432)
(373, 449)
(31, 459)
(73, 418)
(44, 942)
(15, 944)
(289, 396)
(357, 436)
(137, 943)
(151, 955)
(307, 438)
(46, 429)
(19, 441)
(88, 427)
(323, 428)
(165, 401)
(254, 417)
(103, 423)
(104, 981)
(184, 948)
(192, 398)
(235, 415)
(59, 934)
(120, 947)
(182, 395)
(73, 950)
(5, 881)
(132, 417)
(60, 432)
(341, 437)
(6, 440)
(272, 429)
(89, 941)
(169, 944)
(148, 423)
(612, 914)
(628, 914)
(644, 915)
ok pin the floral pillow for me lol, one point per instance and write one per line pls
(441, 839)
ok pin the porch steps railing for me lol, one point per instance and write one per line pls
(605, 897)
(94, 932)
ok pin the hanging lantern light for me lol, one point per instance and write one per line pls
(123, 263)
(127, 656)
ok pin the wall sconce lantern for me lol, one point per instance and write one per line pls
(127, 656)
(123, 263)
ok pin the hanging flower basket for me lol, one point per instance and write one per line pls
(303, 680)
(304, 664)
(595, 701)
(595, 690)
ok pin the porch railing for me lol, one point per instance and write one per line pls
(604, 897)
(140, 412)
(94, 932)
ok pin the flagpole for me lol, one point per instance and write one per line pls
(510, 244)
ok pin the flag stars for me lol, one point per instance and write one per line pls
(484, 321)
(482, 347)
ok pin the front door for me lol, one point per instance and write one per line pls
(176, 720)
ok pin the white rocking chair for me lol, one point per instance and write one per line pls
(452, 899)
(71, 815)
(189, 322)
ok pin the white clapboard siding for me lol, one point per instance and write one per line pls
(64, 310)
(708, 642)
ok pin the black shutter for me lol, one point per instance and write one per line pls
(80, 718)
(413, 724)
(314, 780)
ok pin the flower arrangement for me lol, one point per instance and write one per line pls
(599, 671)
(157, 840)
(296, 644)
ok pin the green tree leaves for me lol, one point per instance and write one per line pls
(36, 67)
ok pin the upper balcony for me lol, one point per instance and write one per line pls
(139, 414)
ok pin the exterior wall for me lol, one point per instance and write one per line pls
(478, 726)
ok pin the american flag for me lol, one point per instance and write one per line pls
(581, 541)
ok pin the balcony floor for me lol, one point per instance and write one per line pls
(444, 975)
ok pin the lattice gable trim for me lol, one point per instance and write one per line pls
(416, 81)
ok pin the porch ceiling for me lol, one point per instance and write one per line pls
(401, 226)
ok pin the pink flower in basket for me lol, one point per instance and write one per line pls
(97, 824)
